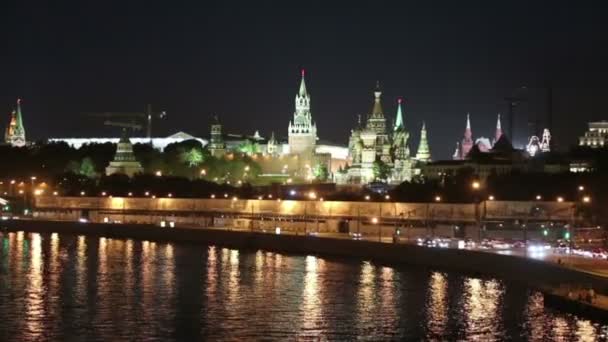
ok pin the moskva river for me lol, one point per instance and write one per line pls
(76, 288)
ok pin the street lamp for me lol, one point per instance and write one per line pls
(560, 199)
(581, 188)
(387, 197)
(539, 197)
(437, 198)
(367, 197)
(475, 185)
(586, 199)
(491, 197)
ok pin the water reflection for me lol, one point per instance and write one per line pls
(311, 302)
(63, 287)
(34, 301)
(437, 307)
(481, 308)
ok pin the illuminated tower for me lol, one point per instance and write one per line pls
(15, 132)
(498, 133)
(376, 124)
(424, 153)
(217, 147)
(124, 160)
(272, 147)
(302, 131)
(467, 141)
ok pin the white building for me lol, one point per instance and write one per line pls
(596, 135)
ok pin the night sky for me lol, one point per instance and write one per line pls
(241, 61)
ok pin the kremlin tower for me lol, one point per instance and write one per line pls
(467, 141)
(498, 133)
(302, 131)
(15, 132)
(424, 153)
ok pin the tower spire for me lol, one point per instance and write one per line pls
(467, 141)
(303, 91)
(377, 110)
(498, 133)
(424, 153)
(15, 133)
(399, 123)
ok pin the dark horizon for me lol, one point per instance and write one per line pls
(242, 61)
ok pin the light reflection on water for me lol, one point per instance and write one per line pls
(63, 287)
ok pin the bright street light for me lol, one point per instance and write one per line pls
(560, 199)
(586, 199)
(475, 185)
(437, 198)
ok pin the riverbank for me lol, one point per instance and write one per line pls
(536, 273)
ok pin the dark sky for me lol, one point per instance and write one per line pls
(241, 60)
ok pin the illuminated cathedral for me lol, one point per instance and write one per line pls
(375, 146)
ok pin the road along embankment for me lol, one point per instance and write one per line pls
(536, 273)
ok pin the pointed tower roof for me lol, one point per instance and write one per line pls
(19, 128)
(399, 123)
(424, 153)
(498, 133)
(377, 110)
(468, 134)
(303, 91)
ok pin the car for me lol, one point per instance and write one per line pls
(600, 253)
(519, 244)
(356, 236)
(469, 244)
(562, 247)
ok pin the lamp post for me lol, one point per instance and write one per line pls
(475, 185)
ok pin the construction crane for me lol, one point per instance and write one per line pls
(134, 120)
(512, 102)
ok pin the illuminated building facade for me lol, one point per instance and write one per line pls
(373, 144)
(124, 160)
(596, 135)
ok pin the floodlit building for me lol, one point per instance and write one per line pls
(375, 145)
(124, 160)
(159, 143)
(596, 135)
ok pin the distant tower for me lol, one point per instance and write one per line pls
(302, 131)
(217, 147)
(376, 123)
(124, 160)
(457, 154)
(402, 170)
(498, 133)
(467, 141)
(15, 132)
(272, 147)
(545, 144)
(424, 153)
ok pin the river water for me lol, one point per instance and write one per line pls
(77, 288)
